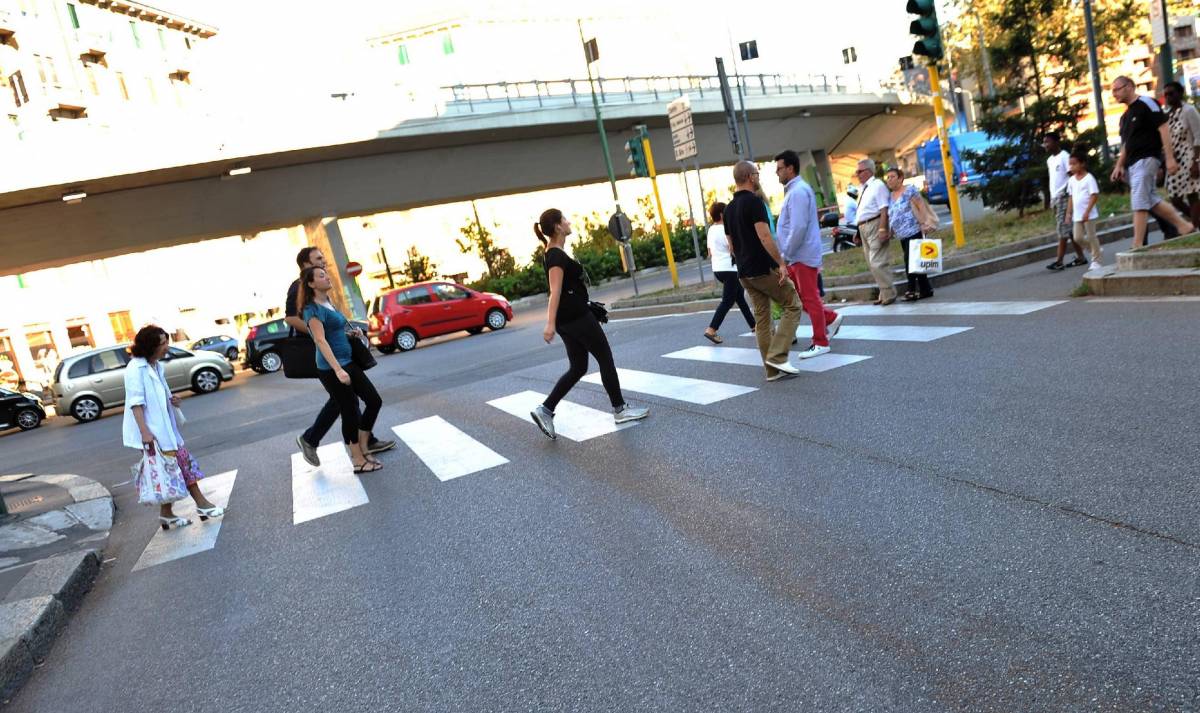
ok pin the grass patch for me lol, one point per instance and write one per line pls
(1188, 242)
(1083, 290)
(989, 231)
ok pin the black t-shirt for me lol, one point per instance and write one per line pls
(741, 214)
(289, 307)
(1139, 130)
(572, 303)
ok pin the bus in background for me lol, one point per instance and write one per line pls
(929, 156)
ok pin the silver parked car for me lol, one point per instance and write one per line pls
(86, 384)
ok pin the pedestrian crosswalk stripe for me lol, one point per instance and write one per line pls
(883, 333)
(751, 357)
(325, 490)
(177, 543)
(971, 309)
(446, 450)
(696, 391)
(572, 421)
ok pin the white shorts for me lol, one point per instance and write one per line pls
(1142, 176)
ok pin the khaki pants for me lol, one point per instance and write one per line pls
(773, 344)
(1085, 234)
(877, 258)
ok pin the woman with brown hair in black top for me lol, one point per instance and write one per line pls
(570, 316)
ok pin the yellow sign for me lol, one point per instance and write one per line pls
(929, 250)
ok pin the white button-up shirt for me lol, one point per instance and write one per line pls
(145, 386)
(872, 199)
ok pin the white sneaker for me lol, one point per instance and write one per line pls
(835, 325)
(628, 413)
(784, 366)
(779, 375)
(1095, 265)
(544, 418)
(814, 351)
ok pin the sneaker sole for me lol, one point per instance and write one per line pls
(785, 368)
(314, 461)
(551, 436)
(619, 421)
(804, 355)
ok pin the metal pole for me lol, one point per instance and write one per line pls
(749, 152)
(386, 266)
(692, 216)
(1097, 90)
(662, 216)
(939, 113)
(612, 179)
(1165, 55)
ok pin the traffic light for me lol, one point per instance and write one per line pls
(925, 27)
(636, 157)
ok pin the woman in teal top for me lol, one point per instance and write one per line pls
(341, 377)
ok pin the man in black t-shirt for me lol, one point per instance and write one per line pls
(762, 271)
(1145, 140)
(310, 439)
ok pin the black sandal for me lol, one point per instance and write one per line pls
(360, 469)
(911, 297)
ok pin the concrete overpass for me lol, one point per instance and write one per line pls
(485, 141)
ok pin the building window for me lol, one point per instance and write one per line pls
(402, 54)
(62, 111)
(122, 326)
(73, 14)
(123, 86)
(17, 82)
(447, 44)
(187, 41)
(80, 336)
(137, 40)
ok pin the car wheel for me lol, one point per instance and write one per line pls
(496, 320)
(386, 349)
(271, 362)
(206, 381)
(232, 354)
(28, 419)
(86, 409)
(406, 340)
(475, 330)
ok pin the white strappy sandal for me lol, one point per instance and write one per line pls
(167, 523)
(205, 513)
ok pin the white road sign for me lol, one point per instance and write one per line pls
(683, 134)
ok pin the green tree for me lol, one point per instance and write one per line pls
(477, 238)
(418, 267)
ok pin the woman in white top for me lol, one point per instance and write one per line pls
(721, 253)
(150, 419)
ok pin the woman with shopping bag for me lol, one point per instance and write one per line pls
(910, 218)
(167, 472)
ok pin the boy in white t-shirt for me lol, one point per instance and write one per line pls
(1083, 192)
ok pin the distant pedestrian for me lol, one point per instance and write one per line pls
(344, 380)
(1144, 140)
(911, 217)
(799, 232)
(151, 424)
(1183, 123)
(721, 253)
(1084, 192)
(310, 439)
(762, 271)
(570, 314)
(1059, 172)
(874, 229)
(851, 213)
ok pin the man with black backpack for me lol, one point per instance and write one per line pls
(310, 439)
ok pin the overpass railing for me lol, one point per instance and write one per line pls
(558, 93)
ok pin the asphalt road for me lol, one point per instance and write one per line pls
(1003, 519)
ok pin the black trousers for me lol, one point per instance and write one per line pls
(918, 282)
(347, 398)
(731, 292)
(583, 336)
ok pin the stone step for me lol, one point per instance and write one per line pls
(1114, 282)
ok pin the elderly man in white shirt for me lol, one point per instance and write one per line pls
(873, 232)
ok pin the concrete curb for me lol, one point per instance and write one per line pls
(36, 609)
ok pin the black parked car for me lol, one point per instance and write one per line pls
(262, 345)
(21, 410)
(227, 346)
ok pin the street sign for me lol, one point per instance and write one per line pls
(591, 51)
(1158, 23)
(353, 269)
(620, 227)
(749, 50)
(683, 133)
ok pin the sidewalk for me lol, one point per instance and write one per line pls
(50, 544)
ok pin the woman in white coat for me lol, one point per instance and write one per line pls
(150, 420)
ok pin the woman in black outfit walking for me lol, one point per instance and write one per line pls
(569, 315)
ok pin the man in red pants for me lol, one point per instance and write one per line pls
(799, 235)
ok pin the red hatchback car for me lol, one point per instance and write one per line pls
(402, 317)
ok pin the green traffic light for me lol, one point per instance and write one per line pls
(928, 47)
(925, 27)
(921, 7)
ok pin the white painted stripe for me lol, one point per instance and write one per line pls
(198, 537)
(970, 309)
(881, 333)
(329, 489)
(572, 421)
(446, 450)
(751, 357)
(695, 391)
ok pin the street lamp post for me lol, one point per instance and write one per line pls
(1097, 91)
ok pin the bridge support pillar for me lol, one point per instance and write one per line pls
(325, 234)
(827, 190)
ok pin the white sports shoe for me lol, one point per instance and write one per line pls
(835, 325)
(1095, 265)
(814, 351)
(785, 366)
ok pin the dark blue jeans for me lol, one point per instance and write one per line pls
(731, 292)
